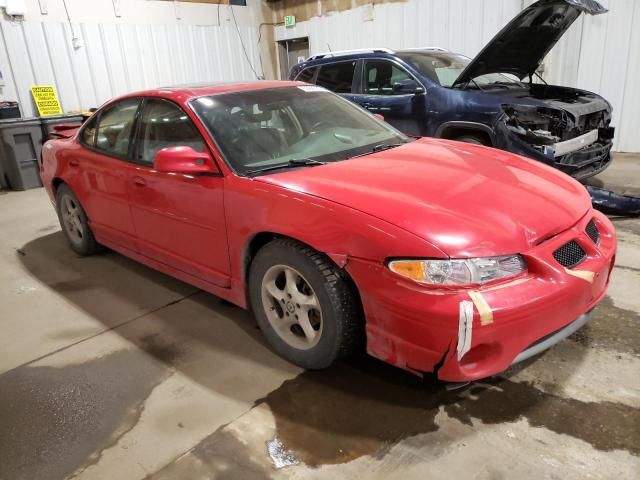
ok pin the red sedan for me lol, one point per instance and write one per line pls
(332, 226)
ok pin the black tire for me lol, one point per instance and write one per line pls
(474, 139)
(83, 243)
(341, 331)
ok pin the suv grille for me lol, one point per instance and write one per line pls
(593, 232)
(570, 254)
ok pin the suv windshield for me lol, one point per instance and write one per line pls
(290, 126)
(445, 67)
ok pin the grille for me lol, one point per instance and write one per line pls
(593, 232)
(570, 254)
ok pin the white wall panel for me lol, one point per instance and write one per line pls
(599, 53)
(460, 25)
(118, 58)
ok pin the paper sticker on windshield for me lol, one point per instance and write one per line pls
(311, 88)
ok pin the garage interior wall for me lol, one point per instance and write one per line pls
(599, 53)
(150, 44)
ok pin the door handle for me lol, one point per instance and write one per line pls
(74, 163)
(139, 181)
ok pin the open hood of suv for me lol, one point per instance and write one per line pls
(522, 44)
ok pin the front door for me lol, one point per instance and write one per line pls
(406, 112)
(179, 219)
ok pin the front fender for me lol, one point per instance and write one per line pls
(341, 232)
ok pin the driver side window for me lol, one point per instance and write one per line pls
(381, 75)
(162, 125)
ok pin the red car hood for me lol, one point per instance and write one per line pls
(464, 199)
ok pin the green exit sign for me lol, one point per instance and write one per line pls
(289, 20)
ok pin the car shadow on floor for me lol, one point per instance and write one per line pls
(357, 407)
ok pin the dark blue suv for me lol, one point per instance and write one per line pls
(490, 100)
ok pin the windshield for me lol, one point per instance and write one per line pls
(444, 68)
(265, 128)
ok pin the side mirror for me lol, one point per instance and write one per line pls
(183, 160)
(407, 87)
(378, 116)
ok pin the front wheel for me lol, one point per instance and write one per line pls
(304, 304)
(474, 139)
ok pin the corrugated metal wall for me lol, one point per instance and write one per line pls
(460, 25)
(116, 59)
(600, 54)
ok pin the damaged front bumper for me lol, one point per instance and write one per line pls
(424, 330)
(581, 157)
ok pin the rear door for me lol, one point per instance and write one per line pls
(406, 112)
(102, 170)
(179, 219)
(339, 77)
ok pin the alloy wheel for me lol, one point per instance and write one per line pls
(292, 307)
(70, 211)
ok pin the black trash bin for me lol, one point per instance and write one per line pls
(9, 110)
(20, 146)
(49, 123)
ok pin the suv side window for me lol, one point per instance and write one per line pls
(306, 75)
(337, 77)
(114, 127)
(164, 124)
(381, 75)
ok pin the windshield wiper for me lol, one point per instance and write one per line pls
(294, 162)
(379, 148)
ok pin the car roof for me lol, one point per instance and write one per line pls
(348, 55)
(185, 92)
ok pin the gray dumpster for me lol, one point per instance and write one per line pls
(20, 146)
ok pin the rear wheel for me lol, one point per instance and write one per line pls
(304, 304)
(74, 223)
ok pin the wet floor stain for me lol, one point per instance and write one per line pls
(626, 224)
(611, 328)
(364, 408)
(161, 349)
(221, 456)
(605, 426)
(56, 420)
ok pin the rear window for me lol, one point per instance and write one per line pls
(306, 75)
(337, 77)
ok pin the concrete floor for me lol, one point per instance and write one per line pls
(109, 370)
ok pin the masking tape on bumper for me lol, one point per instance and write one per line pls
(486, 314)
(465, 325)
(585, 275)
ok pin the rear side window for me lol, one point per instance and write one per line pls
(162, 125)
(89, 134)
(337, 77)
(306, 75)
(114, 127)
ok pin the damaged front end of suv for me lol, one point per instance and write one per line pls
(566, 128)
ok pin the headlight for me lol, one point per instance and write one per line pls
(459, 272)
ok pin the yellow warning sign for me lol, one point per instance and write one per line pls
(46, 100)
